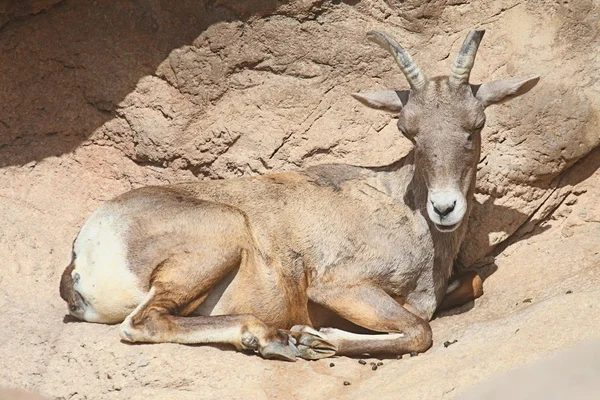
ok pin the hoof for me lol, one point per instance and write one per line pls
(128, 332)
(311, 344)
(278, 350)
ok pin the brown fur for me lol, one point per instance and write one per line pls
(470, 288)
(66, 285)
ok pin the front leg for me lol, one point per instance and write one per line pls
(369, 306)
(462, 289)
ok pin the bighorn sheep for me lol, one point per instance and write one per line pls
(334, 259)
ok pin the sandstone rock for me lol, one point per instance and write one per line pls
(572, 373)
(13, 394)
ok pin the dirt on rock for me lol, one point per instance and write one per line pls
(100, 97)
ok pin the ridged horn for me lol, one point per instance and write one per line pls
(461, 70)
(409, 68)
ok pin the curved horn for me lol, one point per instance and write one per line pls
(409, 68)
(461, 70)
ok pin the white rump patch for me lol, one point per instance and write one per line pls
(111, 291)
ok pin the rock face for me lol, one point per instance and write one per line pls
(99, 97)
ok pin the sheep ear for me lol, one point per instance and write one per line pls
(387, 100)
(503, 90)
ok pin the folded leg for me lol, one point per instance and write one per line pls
(462, 289)
(371, 307)
(178, 287)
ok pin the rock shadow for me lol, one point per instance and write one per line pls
(66, 68)
(581, 170)
(575, 174)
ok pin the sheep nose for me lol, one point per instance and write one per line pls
(443, 209)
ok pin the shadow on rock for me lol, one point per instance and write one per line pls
(66, 68)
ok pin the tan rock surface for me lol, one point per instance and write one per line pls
(99, 97)
(570, 374)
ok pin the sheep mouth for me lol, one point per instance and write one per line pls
(446, 228)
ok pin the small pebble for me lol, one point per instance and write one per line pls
(569, 292)
(414, 354)
(346, 383)
(447, 343)
(331, 365)
(372, 363)
(379, 364)
(362, 362)
(374, 367)
(399, 357)
(527, 301)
